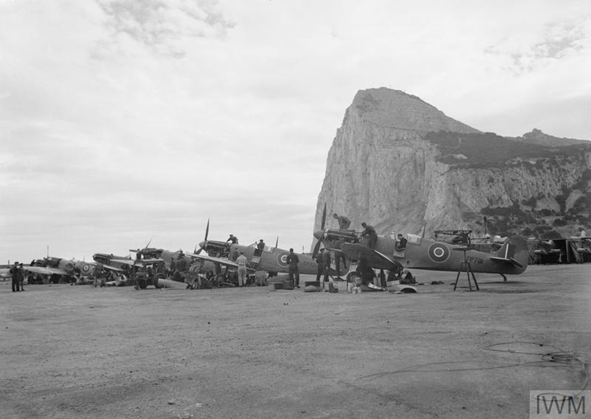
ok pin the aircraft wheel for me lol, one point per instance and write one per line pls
(219, 278)
(354, 278)
(142, 283)
(157, 278)
(206, 283)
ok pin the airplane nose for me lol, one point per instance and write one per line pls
(319, 234)
(202, 244)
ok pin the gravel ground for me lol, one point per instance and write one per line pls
(83, 352)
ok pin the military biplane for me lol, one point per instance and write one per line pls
(422, 253)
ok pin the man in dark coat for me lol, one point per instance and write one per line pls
(15, 275)
(370, 233)
(294, 271)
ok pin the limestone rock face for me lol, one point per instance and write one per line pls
(390, 166)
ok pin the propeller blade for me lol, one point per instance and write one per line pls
(323, 218)
(277, 242)
(316, 248)
(207, 230)
(148, 245)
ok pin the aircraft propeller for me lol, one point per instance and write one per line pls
(319, 242)
(204, 242)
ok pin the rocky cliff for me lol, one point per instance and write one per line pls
(402, 165)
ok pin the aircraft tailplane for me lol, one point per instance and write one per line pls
(514, 251)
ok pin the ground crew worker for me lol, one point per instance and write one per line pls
(400, 242)
(326, 263)
(232, 239)
(294, 271)
(98, 271)
(320, 265)
(370, 233)
(241, 261)
(343, 221)
(21, 276)
(172, 266)
(14, 273)
(338, 256)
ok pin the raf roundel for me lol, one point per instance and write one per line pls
(282, 259)
(86, 268)
(439, 252)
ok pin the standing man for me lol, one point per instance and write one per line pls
(326, 264)
(172, 266)
(370, 233)
(320, 262)
(338, 256)
(241, 261)
(292, 261)
(98, 272)
(343, 221)
(21, 276)
(14, 273)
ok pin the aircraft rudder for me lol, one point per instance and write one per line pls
(516, 248)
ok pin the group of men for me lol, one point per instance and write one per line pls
(17, 272)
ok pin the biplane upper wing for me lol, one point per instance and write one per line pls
(374, 258)
(224, 262)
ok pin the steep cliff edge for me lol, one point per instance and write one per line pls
(401, 165)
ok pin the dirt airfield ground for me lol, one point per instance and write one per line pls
(84, 352)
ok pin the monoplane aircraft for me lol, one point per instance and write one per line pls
(270, 259)
(421, 253)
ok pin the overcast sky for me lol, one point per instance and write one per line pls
(127, 121)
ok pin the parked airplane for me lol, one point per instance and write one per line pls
(421, 253)
(270, 259)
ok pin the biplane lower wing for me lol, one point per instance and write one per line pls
(375, 259)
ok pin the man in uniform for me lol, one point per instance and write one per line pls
(14, 273)
(292, 261)
(400, 243)
(320, 264)
(343, 221)
(370, 233)
(326, 265)
(21, 276)
(241, 261)
(232, 239)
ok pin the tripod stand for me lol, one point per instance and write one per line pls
(466, 267)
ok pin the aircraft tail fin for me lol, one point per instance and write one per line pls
(515, 252)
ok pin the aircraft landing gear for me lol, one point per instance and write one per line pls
(504, 277)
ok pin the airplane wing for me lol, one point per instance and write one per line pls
(146, 261)
(44, 271)
(224, 262)
(112, 268)
(510, 261)
(128, 262)
(375, 259)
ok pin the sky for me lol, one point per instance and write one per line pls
(126, 122)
